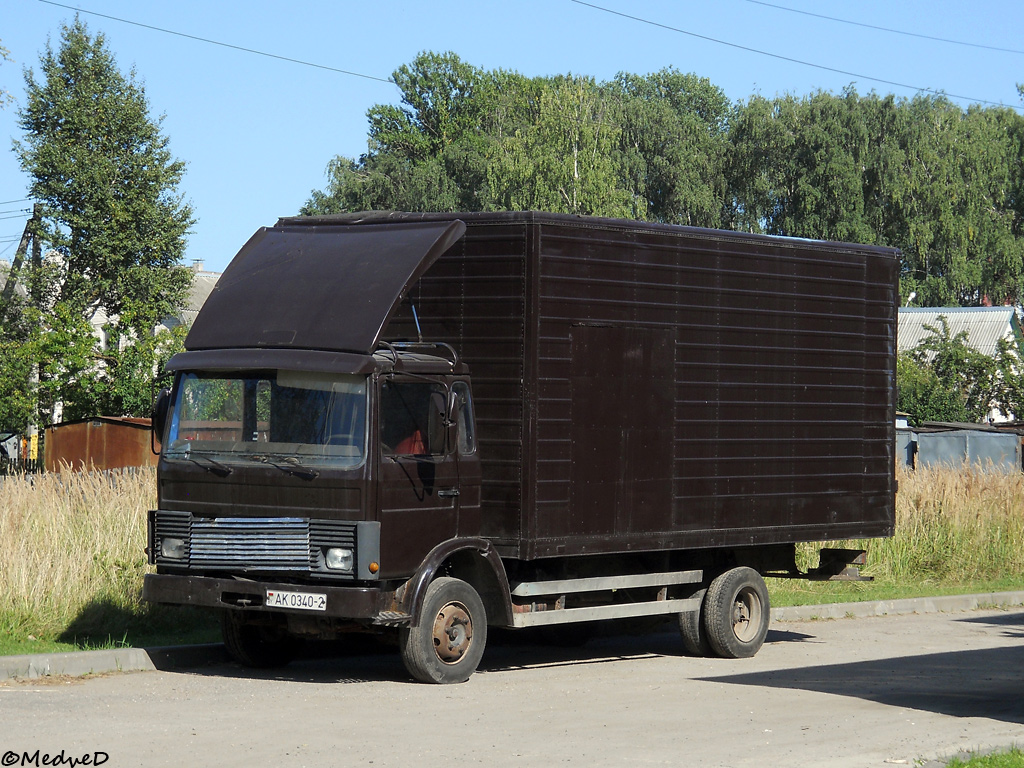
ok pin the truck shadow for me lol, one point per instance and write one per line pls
(985, 682)
(362, 659)
(1013, 621)
(519, 650)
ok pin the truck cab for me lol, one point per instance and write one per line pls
(318, 492)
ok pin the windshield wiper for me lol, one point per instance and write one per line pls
(211, 466)
(291, 466)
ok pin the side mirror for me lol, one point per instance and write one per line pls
(436, 435)
(161, 406)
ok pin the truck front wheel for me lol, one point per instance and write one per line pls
(257, 645)
(448, 643)
(736, 613)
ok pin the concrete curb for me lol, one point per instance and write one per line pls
(946, 604)
(79, 663)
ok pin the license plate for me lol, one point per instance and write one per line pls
(305, 601)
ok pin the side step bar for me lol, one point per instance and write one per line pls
(547, 613)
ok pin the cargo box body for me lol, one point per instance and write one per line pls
(643, 387)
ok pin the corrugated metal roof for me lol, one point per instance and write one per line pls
(202, 286)
(203, 283)
(984, 325)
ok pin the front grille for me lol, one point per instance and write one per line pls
(268, 544)
(252, 544)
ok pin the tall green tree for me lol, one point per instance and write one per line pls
(111, 213)
(106, 178)
(564, 161)
(18, 356)
(942, 183)
(673, 145)
(944, 379)
(797, 167)
(5, 95)
(425, 154)
(924, 396)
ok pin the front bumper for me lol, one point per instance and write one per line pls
(366, 603)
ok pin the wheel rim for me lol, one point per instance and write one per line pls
(746, 615)
(453, 633)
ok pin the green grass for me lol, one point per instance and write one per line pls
(17, 646)
(104, 626)
(1011, 759)
(784, 592)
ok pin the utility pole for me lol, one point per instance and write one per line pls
(30, 235)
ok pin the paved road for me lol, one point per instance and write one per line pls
(847, 692)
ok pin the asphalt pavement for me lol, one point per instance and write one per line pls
(942, 677)
(81, 663)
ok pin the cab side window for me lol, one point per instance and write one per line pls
(412, 419)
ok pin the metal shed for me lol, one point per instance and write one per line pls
(101, 442)
(956, 445)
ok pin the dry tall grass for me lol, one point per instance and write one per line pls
(954, 526)
(69, 541)
(71, 545)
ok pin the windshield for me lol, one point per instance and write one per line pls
(313, 418)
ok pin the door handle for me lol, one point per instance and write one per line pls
(448, 493)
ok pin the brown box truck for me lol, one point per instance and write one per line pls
(437, 423)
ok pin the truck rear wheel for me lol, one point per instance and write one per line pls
(448, 643)
(736, 613)
(695, 636)
(257, 645)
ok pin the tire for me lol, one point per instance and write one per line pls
(448, 643)
(736, 613)
(695, 637)
(257, 645)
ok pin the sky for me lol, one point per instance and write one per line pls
(257, 132)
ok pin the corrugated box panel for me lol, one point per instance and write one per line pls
(642, 387)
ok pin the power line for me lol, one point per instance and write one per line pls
(784, 58)
(217, 42)
(12, 202)
(887, 29)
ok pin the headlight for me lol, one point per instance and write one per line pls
(173, 549)
(339, 559)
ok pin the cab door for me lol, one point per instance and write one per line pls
(419, 488)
